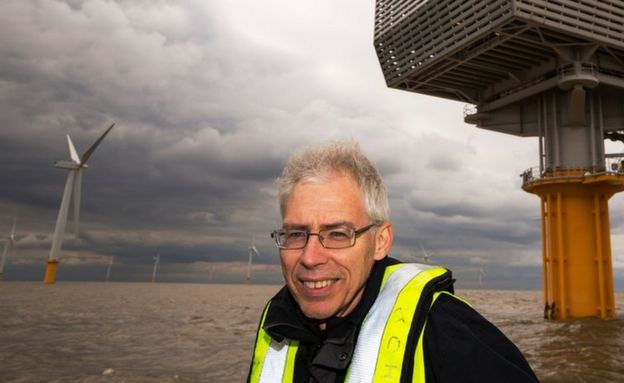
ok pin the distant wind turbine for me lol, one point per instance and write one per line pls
(210, 273)
(73, 184)
(426, 255)
(108, 269)
(481, 275)
(156, 263)
(253, 251)
(7, 248)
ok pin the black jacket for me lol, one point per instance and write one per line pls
(459, 344)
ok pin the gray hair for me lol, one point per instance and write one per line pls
(342, 156)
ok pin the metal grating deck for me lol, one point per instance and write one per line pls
(477, 51)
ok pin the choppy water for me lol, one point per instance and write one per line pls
(135, 332)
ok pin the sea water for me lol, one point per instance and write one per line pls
(160, 332)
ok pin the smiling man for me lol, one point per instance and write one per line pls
(350, 313)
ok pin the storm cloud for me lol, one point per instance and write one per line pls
(209, 100)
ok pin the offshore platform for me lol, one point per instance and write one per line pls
(547, 69)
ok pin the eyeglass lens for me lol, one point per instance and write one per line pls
(334, 238)
(330, 238)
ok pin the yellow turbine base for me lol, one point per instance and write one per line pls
(576, 244)
(50, 274)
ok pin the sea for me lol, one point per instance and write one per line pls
(163, 332)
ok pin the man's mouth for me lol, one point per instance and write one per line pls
(319, 284)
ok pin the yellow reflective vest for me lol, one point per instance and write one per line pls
(381, 343)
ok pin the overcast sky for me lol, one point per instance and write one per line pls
(210, 98)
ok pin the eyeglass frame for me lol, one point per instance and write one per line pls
(356, 234)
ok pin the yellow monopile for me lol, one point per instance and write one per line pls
(576, 246)
(50, 274)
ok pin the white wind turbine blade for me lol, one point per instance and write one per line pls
(61, 220)
(253, 251)
(72, 151)
(86, 155)
(253, 247)
(77, 192)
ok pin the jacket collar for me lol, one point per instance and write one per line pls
(285, 319)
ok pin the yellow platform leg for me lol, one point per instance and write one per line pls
(50, 274)
(576, 245)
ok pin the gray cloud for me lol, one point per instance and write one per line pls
(210, 98)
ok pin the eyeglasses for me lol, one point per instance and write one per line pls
(339, 237)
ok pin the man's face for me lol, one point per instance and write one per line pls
(330, 282)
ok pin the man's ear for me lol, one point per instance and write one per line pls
(384, 235)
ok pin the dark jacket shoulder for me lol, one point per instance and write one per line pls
(460, 345)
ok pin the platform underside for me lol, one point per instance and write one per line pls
(479, 52)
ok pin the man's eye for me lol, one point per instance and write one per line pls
(338, 235)
(294, 235)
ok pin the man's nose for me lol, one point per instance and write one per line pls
(314, 253)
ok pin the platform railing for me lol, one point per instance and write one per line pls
(614, 165)
(577, 68)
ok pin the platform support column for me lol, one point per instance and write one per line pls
(576, 248)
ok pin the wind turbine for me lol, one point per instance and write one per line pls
(156, 263)
(73, 184)
(210, 273)
(110, 264)
(426, 255)
(481, 275)
(7, 247)
(253, 251)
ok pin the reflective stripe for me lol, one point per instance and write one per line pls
(289, 369)
(263, 340)
(418, 375)
(369, 341)
(398, 326)
(274, 362)
(278, 364)
(388, 271)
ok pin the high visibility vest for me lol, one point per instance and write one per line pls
(382, 338)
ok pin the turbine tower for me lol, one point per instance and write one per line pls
(108, 269)
(547, 69)
(426, 256)
(10, 240)
(156, 263)
(481, 275)
(253, 251)
(210, 273)
(72, 185)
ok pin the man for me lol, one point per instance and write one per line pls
(350, 313)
